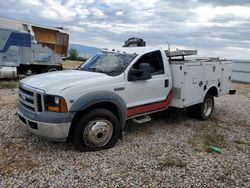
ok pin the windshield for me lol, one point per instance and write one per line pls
(110, 63)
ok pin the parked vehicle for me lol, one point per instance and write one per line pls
(134, 42)
(91, 105)
(28, 48)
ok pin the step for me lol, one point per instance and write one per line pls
(141, 119)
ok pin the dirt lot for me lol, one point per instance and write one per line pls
(71, 64)
(170, 151)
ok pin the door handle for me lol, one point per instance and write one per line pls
(166, 84)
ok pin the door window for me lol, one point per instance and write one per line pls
(154, 59)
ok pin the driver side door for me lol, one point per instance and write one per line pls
(143, 96)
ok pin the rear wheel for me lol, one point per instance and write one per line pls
(202, 111)
(98, 129)
(51, 69)
(207, 107)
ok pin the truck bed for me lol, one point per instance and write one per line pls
(192, 78)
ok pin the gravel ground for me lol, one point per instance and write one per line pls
(68, 65)
(170, 151)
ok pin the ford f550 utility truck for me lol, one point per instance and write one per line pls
(91, 105)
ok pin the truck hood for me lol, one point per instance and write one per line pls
(56, 82)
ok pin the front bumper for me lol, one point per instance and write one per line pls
(55, 129)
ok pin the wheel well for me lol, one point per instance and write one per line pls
(213, 91)
(107, 105)
(48, 67)
(37, 68)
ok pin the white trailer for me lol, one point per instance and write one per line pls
(26, 47)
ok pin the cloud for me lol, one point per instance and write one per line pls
(119, 13)
(212, 26)
(226, 2)
(97, 13)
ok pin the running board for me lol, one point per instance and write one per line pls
(141, 119)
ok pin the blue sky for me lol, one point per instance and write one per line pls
(213, 27)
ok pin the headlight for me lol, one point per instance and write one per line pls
(55, 103)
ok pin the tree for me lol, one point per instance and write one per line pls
(73, 54)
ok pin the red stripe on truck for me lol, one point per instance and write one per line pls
(150, 107)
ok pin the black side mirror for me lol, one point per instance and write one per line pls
(143, 73)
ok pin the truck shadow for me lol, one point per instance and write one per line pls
(171, 118)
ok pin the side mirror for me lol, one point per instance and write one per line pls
(143, 73)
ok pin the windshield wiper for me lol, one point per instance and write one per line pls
(78, 68)
(93, 69)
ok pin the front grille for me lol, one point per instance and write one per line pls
(30, 98)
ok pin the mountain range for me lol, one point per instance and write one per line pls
(84, 51)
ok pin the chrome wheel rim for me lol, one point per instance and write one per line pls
(208, 107)
(97, 133)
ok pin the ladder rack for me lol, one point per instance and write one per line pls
(181, 53)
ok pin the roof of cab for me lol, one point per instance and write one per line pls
(137, 50)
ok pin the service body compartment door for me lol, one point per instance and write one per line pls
(226, 77)
(213, 72)
(188, 83)
(194, 83)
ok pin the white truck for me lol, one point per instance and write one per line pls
(91, 105)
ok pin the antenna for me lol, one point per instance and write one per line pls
(168, 46)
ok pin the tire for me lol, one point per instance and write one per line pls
(99, 129)
(202, 111)
(51, 69)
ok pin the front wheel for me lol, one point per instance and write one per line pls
(98, 129)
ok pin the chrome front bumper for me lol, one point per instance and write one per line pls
(53, 131)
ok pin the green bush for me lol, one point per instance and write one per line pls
(73, 55)
(8, 84)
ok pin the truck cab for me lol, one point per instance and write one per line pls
(91, 105)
